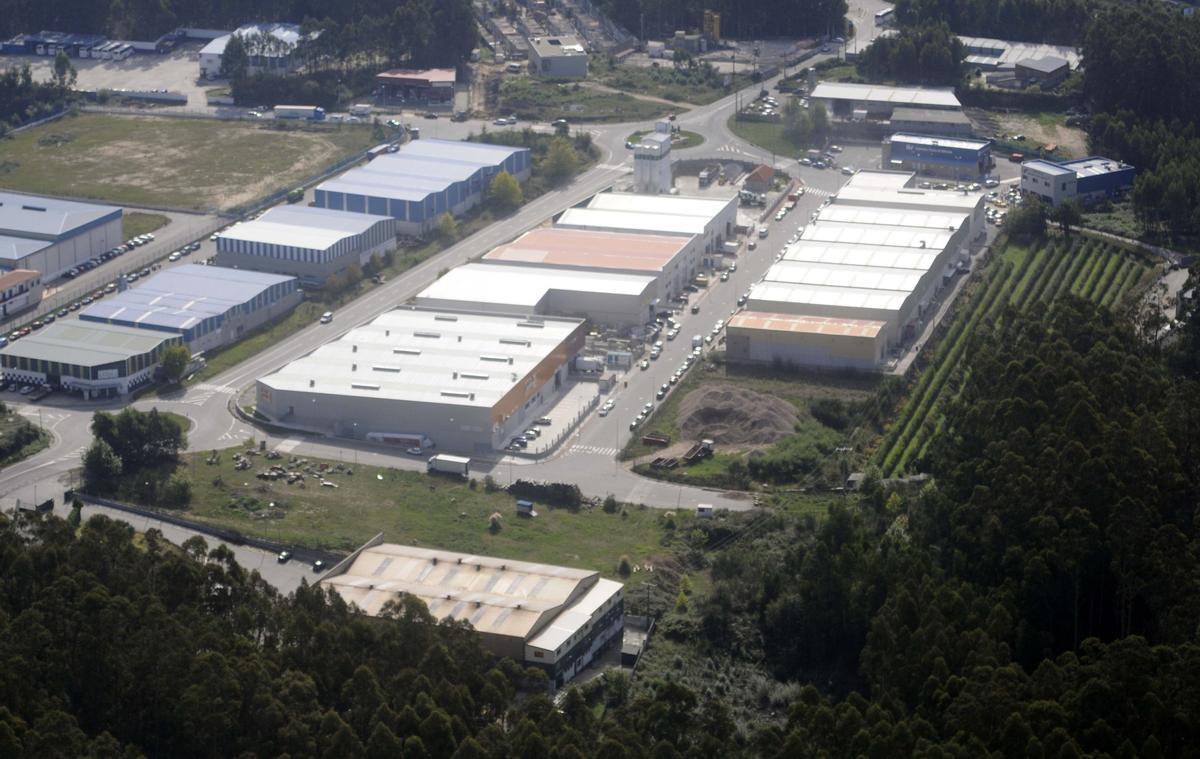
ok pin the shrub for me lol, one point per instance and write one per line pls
(494, 522)
(610, 504)
(624, 568)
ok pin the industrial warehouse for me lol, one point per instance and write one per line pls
(425, 179)
(860, 279)
(938, 156)
(673, 261)
(607, 298)
(465, 381)
(710, 221)
(876, 101)
(555, 618)
(1087, 180)
(306, 242)
(206, 306)
(97, 360)
(53, 236)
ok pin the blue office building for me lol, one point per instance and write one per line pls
(208, 306)
(1087, 180)
(425, 179)
(948, 157)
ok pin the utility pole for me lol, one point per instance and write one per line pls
(648, 586)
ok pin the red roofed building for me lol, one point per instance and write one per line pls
(416, 85)
(759, 180)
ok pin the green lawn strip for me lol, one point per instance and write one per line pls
(1064, 257)
(1114, 285)
(191, 164)
(542, 100)
(1078, 259)
(1098, 285)
(1097, 258)
(134, 223)
(1037, 258)
(411, 508)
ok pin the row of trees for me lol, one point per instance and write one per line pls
(1059, 21)
(23, 100)
(133, 454)
(926, 53)
(739, 20)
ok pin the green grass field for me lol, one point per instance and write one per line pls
(135, 223)
(1019, 277)
(679, 85)
(540, 100)
(414, 508)
(765, 135)
(190, 164)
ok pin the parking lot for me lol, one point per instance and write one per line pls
(177, 71)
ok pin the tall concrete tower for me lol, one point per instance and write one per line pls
(652, 162)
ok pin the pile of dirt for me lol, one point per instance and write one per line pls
(731, 415)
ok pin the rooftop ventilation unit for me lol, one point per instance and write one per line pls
(364, 385)
(457, 394)
(472, 375)
(515, 341)
(407, 351)
(444, 318)
(434, 335)
(384, 368)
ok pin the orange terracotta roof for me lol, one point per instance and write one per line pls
(556, 246)
(814, 325)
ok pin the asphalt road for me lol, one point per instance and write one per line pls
(214, 426)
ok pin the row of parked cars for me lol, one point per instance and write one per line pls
(522, 441)
(108, 255)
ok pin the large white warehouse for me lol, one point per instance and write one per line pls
(711, 221)
(310, 243)
(421, 182)
(466, 381)
(673, 260)
(53, 236)
(859, 280)
(613, 299)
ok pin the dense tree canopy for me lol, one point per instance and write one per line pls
(739, 20)
(926, 54)
(22, 99)
(1059, 21)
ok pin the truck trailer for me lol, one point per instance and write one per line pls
(447, 464)
(310, 112)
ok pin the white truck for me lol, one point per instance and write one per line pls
(360, 109)
(310, 112)
(447, 464)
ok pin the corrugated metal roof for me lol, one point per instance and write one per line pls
(659, 223)
(834, 275)
(931, 115)
(943, 142)
(937, 97)
(863, 234)
(304, 227)
(862, 255)
(764, 294)
(583, 248)
(891, 217)
(183, 296)
(47, 218)
(16, 248)
(85, 343)
(811, 325)
(502, 597)
(671, 205)
(419, 354)
(407, 165)
(480, 153)
(527, 286)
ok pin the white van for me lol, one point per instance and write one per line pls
(327, 317)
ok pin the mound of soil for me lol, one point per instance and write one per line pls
(731, 415)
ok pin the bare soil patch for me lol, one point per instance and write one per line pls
(731, 415)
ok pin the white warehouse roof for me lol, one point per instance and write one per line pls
(526, 286)
(861, 234)
(426, 355)
(303, 227)
(836, 275)
(633, 221)
(818, 295)
(861, 255)
(673, 205)
(877, 215)
(939, 97)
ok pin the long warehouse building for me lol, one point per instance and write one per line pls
(606, 298)
(95, 360)
(860, 280)
(557, 619)
(673, 261)
(310, 243)
(206, 306)
(710, 221)
(880, 101)
(53, 236)
(466, 381)
(425, 179)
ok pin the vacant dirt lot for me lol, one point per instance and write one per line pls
(185, 164)
(1042, 128)
(732, 415)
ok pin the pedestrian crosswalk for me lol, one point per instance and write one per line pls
(730, 147)
(594, 450)
(74, 456)
(202, 393)
(810, 190)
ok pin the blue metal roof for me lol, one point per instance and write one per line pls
(180, 298)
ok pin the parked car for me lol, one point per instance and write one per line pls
(284, 556)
